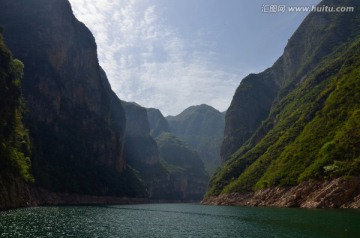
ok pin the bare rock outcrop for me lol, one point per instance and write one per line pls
(337, 193)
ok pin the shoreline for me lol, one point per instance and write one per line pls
(28, 196)
(41, 198)
(46, 198)
(337, 193)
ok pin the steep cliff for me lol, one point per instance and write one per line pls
(76, 123)
(202, 128)
(188, 178)
(141, 151)
(317, 37)
(158, 123)
(312, 130)
(140, 147)
(178, 173)
(15, 166)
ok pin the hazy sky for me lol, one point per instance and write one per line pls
(172, 54)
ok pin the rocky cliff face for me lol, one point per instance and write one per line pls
(166, 175)
(141, 151)
(250, 105)
(157, 122)
(15, 167)
(337, 193)
(202, 128)
(187, 176)
(312, 129)
(317, 37)
(76, 123)
(140, 147)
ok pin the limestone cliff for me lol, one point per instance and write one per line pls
(310, 135)
(157, 122)
(15, 166)
(337, 193)
(140, 147)
(170, 170)
(76, 123)
(187, 176)
(317, 37)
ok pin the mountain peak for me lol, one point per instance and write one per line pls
(299, 120)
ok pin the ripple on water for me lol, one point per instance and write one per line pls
(177, 220)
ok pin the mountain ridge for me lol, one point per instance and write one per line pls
(306, 135)
(76, 123)
(202, 128)
(317, 37)
(159, 157)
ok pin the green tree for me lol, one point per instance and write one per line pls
(14, 138)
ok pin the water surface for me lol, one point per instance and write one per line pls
(177, 220)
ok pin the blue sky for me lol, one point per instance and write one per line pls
(172, 54)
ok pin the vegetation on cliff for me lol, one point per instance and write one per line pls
(15, 150)
(202, 128)
(76, 123)
(186, 170)
(312, 131)
(169, 169)
(320, 34)
(14, 138)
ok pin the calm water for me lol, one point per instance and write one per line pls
(177, 220)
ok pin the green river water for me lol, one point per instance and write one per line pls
(177, 220)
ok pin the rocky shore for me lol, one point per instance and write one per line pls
(337, 193)
(19, 194)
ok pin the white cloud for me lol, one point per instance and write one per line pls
(147, 61)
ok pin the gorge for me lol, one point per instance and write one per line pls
(290, 137)
(294, 128)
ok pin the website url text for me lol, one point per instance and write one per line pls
(277, 8)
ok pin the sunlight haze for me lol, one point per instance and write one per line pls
(174, 54)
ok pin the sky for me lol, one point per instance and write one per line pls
(172, 54)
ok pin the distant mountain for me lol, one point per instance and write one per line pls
(297, 124)
(157, 121)
(187, 173)
(84, 139)
(76, 122)
(140, 147)
(141, 150)
(197, 120)
(169, 170)
(202, 128)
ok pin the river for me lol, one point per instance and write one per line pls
(177, 220)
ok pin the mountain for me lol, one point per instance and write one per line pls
(317, 37)
(142, 152)
(157, 121)
(202, 128)
(170, 172)
(76, 123)
(294, 129)
(187, 173)
(15, 150)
